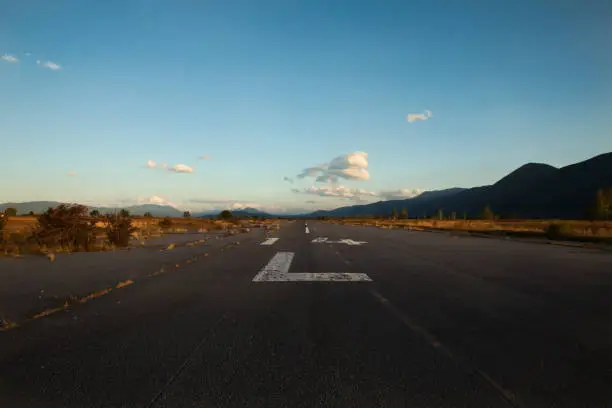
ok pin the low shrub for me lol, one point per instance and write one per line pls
(557, 230)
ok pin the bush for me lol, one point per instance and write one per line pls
(66, 225)
(2, 225)
(165, 223)
(558, 230)
(226, 215)
(10, 212)
(119, 229)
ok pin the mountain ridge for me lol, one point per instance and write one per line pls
(533, 190)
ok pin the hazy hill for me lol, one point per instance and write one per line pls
(41, 206)
(243, 212)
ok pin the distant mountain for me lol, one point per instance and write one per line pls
(35, 206)
(242, 212)
(534, 190)
(155, 210)
(386, 207)
(41, 206)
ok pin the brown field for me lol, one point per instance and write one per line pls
(19, 228)
(570, 229)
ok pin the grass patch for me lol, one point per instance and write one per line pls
(94, 295)
(124, 284)
(576, 230)
(6, 324)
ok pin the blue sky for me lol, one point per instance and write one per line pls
(267, 89)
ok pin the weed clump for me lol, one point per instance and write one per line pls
(557, 230)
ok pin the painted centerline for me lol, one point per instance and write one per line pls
(269, 241)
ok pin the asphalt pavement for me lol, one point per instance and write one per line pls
(361, 317)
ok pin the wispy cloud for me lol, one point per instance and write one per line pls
(177, 168)
(204, 157)
(180, 168)
(413, 117)
(71, 173)
(288, 179)
(336, 191)
(49, 65)
(351, 166)
(9, 58)
(400, 194)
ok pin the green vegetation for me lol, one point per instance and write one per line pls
(148, 214)
(226, 215)
(119, 229)
(10, 212)
(487, 213)
(186, 214)
(66, 226)
(94, 213)
(124, 213)
(603, 204)
(165, 223)
(404, 213)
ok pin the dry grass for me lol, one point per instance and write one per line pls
(549, 228)
(6, 324)
(94, 295)
(18, 229)
(124, 284)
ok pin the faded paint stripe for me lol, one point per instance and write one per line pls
(307, 231)
(316, 277)
(269, 241)
(279, 264)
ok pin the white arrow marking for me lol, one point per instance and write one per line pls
(277, 271)
(345, 241)
(269, 241)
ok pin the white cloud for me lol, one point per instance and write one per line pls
(180, 168)
(351, 166)
(157, 200)
(71, 173)
(9, 58)
(413, 117)
(336, 191)
(177, 168)
(50, 65)
(400, 194)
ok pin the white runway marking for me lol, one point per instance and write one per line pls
(321, 240)
(277, 270)
(322, 277)
(269, 241)
(279, 264)
(307, 231)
